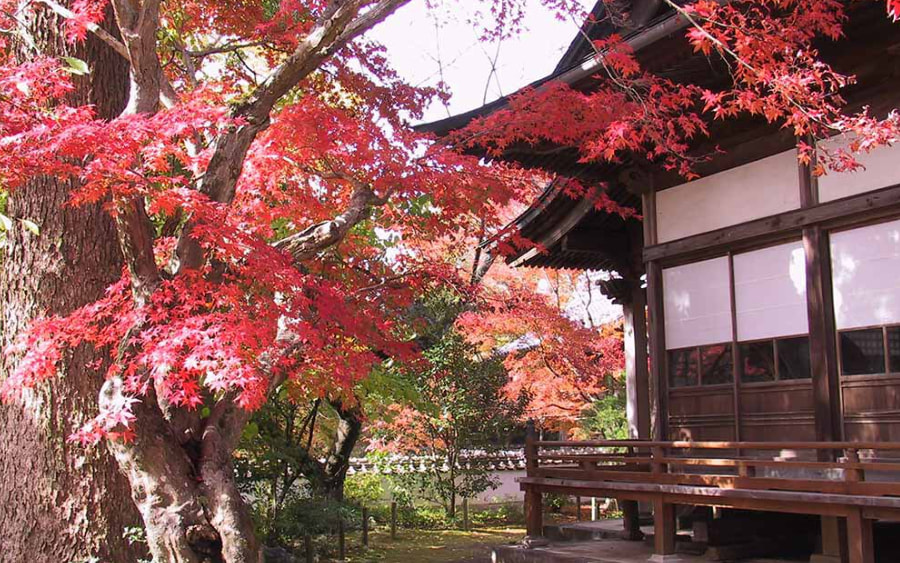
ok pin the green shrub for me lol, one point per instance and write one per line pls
(364, 489)
(556, 502)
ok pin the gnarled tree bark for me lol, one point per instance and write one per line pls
(60, 501)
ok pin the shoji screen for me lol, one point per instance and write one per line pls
(697, 303)
(770, 292)
(865, 266)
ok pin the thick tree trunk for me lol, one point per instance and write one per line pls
(346, 436)
(60, 501)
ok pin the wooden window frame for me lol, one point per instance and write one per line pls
(699, 373)
(775, 358)
(888, 372)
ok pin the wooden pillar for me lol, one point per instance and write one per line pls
(861, 548)
(663, 529)
(534, 518)
(822, 348)
(658, 388)
(822, 355)
(657, 337)
(637, 370)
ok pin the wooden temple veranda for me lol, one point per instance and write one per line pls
(762, 308)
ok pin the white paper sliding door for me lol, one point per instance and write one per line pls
(770, 292)
(697, 303)
(865, 266)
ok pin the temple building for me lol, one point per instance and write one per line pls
(766, 298)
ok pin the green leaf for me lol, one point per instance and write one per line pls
(5, 222)
(76, 66)
(205, 412)
(31, 226)
(251, 430)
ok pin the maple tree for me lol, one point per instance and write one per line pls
(243, 267)
(458, 406)
(560, 364)
(261, 176)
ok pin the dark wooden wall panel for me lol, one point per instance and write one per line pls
(701, 413)
(783, 411)
(871, 407)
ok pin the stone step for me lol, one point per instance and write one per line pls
(610, 551)
(588, 530)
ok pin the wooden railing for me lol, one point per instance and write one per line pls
(856, 480)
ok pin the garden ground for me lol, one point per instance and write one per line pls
(432, 546)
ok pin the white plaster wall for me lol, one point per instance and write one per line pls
(759, 189)
(865, 266)
(881, 169)
(507, 489)
(770, 292)
(697, 303)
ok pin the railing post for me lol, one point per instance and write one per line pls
(534, 518)
(631, 521)
(853, 474)
(663, 529)
(663, 513)
(656, 455)
(631, 510)
(531, 450)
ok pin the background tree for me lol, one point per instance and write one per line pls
(59, 501)
(559, 363)
(460, 408)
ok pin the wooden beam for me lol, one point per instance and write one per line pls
(877, 204)
(560, 229)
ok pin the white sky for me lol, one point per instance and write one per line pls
(415, 47)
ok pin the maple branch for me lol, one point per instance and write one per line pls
(135, 232)
(219, 49)
(750, 68)
(314, 239)
(168, 93)
(339, 24)
(138, 23)
(94, 28)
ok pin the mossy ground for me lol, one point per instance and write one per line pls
(432, 546)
